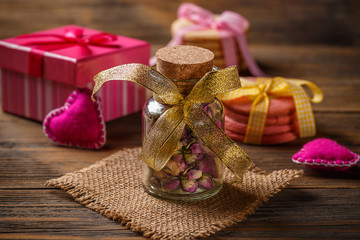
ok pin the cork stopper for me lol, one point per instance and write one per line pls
(184, 62)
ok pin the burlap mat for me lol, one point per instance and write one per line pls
(113, 188)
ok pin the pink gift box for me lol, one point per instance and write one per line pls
(40, 70)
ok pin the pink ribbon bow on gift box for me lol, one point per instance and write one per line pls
(227, 23)
(72, 36)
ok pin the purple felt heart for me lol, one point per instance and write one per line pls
(323, 153)
(79, 123)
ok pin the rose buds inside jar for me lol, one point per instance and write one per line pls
(193, 171)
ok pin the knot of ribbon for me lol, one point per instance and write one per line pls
(51, 41)
(227, 24)
(161, 142)
(260, 90)
(228, 20)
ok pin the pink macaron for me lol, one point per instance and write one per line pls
(244, 118)
(240, 128)
(277, 106)
(266, 139)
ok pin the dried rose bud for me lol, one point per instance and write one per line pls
(171, 184)
(206, 182)
(182, 166)
(176, 164)
(190, 158)
(160, 174)
(194, 174)
(208, 110)
(189, 185)
(208, 165)
(196, 148)
(177, 158)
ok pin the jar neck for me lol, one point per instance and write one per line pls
(184, 87)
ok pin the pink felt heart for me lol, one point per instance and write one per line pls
(79, 123)
(323, 153)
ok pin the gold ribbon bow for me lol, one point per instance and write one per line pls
(259, 92)
(161, 141)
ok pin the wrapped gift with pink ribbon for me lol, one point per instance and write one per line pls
(40, 70)
(230, 27)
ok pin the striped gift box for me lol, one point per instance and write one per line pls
(36, 80)
(33, 97)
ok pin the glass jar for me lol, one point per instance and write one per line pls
(193, 172)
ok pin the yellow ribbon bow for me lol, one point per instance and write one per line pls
(259, 92)
(161, 141)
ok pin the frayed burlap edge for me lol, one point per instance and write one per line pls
(85, 197)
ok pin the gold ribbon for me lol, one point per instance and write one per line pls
(161, 141)
(259, 92)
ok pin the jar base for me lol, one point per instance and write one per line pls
(183, 197)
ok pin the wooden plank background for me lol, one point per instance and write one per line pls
(317, 40)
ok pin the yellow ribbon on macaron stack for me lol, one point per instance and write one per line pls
(262, 89)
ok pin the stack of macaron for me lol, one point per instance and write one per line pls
(209, 39)
(280, 126)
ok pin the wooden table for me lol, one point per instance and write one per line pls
(312, 39)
